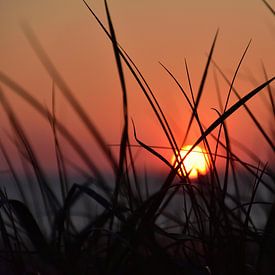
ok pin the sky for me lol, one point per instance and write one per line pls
(151, 31)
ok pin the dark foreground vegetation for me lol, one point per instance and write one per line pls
(214, 231)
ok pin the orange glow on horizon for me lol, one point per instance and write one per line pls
(195, 163)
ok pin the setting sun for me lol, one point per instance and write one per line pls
(195, 163)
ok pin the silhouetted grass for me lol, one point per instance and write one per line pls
(136, 230)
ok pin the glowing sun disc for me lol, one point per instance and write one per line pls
(195, 163)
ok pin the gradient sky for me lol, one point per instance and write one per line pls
(150, 31)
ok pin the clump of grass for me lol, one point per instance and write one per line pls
(214, 232)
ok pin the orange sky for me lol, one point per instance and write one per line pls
(150, 31)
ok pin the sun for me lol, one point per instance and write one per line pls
(196, 162)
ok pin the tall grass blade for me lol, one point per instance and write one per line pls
(269, 7)
(200, 91)
(230, 90)
(189, 81)
(62, 173)
(124, 137)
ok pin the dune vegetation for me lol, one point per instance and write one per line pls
(128, 229)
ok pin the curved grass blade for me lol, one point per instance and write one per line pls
(124, 136)
(230, 90)
(189, 81)
(152, 151)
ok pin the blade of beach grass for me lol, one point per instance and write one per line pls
(121, 177)
(217, 86)
(149, 149)
(269, 91)
(195, 112)
(269, 7)
(78, 148)
(124, 136)
(159, 156)
(254, 119)
(201, 88)
(191, 106)
(189, 81)
(229, 163)
(228, 158)
(218, 90)
(235, 74)
(52, 71)
(230, 90)
(61, 168)
(178, 84)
